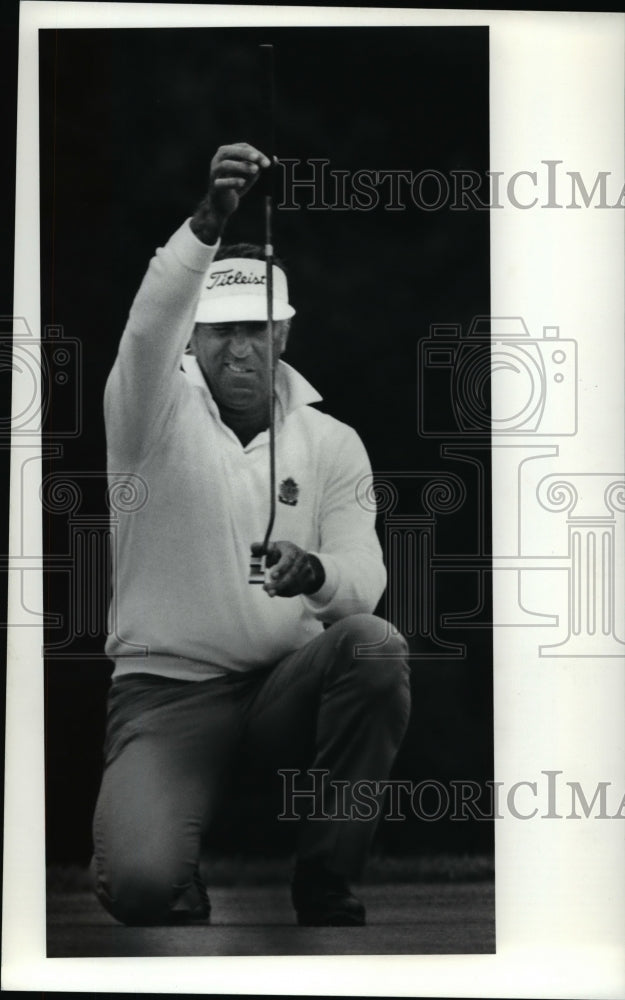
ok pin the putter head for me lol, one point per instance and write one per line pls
(257, 568)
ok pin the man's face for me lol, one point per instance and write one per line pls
(233, 359)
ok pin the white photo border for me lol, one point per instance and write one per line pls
(556, 94)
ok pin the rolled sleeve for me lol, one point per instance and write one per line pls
(190, 251)
(350, 551)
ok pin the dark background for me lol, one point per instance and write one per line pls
(129, 123)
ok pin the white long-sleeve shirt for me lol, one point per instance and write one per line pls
(181, 596)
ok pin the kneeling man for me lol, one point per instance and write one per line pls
(225, 670)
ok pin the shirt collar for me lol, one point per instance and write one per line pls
(292, 389)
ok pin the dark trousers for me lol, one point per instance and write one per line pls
(170, 745)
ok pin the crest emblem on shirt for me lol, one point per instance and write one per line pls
(289, 492)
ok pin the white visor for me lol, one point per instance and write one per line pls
(234, 290)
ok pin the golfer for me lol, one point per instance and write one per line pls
(225, 670)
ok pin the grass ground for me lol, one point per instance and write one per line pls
(438, 905)
(220, 870)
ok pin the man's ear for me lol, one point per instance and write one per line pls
(191, 345)
(285, 329)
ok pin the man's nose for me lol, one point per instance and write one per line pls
(239, 343)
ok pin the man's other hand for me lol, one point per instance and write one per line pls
(233, 171)
(291, 570)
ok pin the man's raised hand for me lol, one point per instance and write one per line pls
(233, 171)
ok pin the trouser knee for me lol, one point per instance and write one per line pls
(372, 654)
(140, 894)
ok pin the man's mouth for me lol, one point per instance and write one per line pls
(239, 369)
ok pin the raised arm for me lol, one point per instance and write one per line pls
(142, 387)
